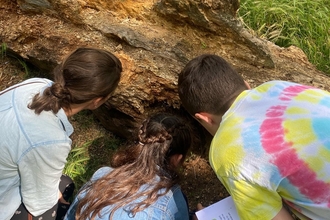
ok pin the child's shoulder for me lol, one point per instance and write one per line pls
(101, 172)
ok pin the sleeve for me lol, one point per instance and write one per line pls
(253, 201)
(40, 170)
(182, 212)
(70, 215)
(101, 172)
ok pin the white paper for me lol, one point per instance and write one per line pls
(222, 210)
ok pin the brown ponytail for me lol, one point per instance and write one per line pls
(85, 74)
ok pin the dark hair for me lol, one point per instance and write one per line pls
(85, 74)
(159, 137)
(208, 83)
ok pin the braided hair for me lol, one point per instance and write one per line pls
(146, 162)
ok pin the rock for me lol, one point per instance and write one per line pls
(154, 40)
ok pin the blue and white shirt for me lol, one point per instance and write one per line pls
(33, 151)
(171, 206)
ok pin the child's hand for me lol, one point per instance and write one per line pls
(198, 207)
(62, 200)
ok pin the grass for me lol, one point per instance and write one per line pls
(3, 50)
(25, 67)
(303, 23)
(92, 148)
(77, 160)
(28, 69)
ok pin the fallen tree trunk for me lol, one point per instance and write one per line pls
(154, 40)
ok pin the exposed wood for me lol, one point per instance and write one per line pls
(154, 40)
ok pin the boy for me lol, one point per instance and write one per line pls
(271, 144)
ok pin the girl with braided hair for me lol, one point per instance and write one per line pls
(142, 182)
(35, 132)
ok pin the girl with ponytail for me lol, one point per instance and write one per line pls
(142, 182)
(35, 132)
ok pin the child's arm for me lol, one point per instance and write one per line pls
(283, 215)
(61, 199)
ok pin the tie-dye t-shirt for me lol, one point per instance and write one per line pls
(273, 144)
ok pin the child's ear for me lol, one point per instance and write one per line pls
(247, 85)
(176, 160)
(204, 117)
(97, 102)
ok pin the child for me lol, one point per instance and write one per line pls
(142, 182)
(271, 145)
(35, 131)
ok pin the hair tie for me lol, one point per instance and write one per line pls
(142, 144)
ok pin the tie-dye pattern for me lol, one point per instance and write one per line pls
(274, 144)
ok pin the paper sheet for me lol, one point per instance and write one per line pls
(222, 210)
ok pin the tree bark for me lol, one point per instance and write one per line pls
(154, 40)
